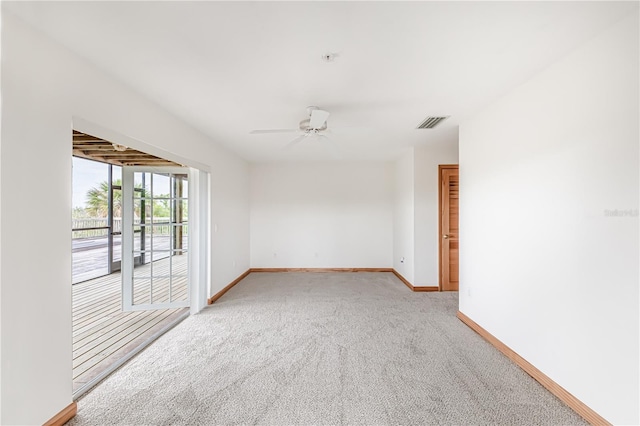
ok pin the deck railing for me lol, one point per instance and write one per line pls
(98, 227)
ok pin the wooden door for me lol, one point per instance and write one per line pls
(449, 184)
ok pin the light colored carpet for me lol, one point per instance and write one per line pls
(322, 348)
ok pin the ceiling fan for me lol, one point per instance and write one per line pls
(314, 126)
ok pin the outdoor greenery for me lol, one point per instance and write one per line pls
(80, 213)
(98, 200)
(97, 203)
(96, 211)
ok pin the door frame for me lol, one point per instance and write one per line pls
(441, 167)
(200, 260)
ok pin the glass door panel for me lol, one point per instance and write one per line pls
(155, 264)
(90, 225)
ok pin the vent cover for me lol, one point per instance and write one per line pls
(431, 122)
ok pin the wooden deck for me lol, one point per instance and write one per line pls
(103, 334)
(90, 256)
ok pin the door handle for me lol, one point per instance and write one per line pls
(445, 236)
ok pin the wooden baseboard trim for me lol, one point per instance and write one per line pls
(321, 269)
(403, 279)
(63, 416)
(561, 393)
(219, 294)
(411, 286)
(426, 288)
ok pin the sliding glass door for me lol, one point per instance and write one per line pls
(155, 237)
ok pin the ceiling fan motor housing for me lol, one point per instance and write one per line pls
(305, 126)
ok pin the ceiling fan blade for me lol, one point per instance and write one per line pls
(255, 132)
(318, 117)
(294, 142)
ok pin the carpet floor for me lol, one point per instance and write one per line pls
(322, 348)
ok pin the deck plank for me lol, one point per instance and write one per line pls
(104, 329)
(83, 378)
(103, 333)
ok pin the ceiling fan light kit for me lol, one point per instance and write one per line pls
(305, 126)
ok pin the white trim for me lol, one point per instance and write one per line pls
(199, 238)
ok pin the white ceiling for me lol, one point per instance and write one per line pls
(229, 68)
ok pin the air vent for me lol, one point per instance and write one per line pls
(431, 122)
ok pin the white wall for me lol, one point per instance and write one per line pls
(43, 87)
(322, 215)
(0, 226)
(543, 268)
(443, 150)
(230, 220)
(403, 216)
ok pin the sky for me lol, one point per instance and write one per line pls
(87, 174)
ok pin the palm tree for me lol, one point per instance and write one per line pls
(98, 200)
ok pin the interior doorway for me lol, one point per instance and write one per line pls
(448, 225)
(125, 231)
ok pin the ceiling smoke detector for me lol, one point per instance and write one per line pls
(119, 147)
(329, 57)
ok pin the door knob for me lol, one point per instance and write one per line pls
(445, 236)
